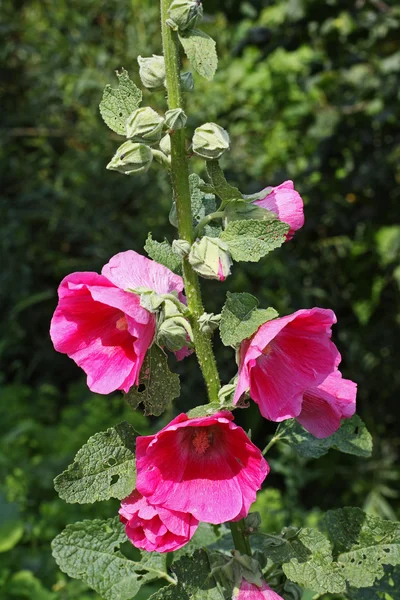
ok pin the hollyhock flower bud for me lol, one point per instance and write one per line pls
(284, 358)
(102, 326)
(210, 257)
(209, 322)
(187, 82)
(175, 119)
(144, 125)
(153, 528)
(325, 405)
(286, 203)
(184, 14)
(181, 248)
(210, 141)
(174, 333)
(165, 144)
(131, 159)
(206, 466)
(250, 591)
(152, 72)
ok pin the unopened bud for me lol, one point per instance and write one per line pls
(210, 258)
(174, 333)
(165, 144)
(184, 14)
(175, 119)
(240, 210)
(187, 82)
(144, 125)
(152, 72)
(209, 322)
(210, 141)
(131, 158)
(181, 248)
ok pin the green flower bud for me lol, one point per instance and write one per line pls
(152, 72)
(165, 144)
(174, 333)
(240, 210)
(184, 14)
(210, 141)
(209, 322)
(187, 82)
(210, 258)
(144, 125)
(131, 158)
(175, 119)
(181, 248)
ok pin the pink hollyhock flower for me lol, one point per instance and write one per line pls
(286, 357)
(326, 404)
(286, 203)
(250, 591)
(205, 466)
(102, 327)
(153, 528)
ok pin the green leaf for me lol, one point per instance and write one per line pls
(103, 468)
(352, 438)
(241, 317)
(195, 581)
(157, 385)
(88, 550)
(118, 103)
(203, 204)
(162, 253)
(200, 49)
(222, 188)
(250, 240)
(23, 585)
(319, 573)
(387, 588)
(11, 525)
(281, 549)
(363, 544)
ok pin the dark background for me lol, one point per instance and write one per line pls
(308, 90)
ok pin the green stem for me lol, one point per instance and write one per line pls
(240, 538)
(206, 220)
(270, 444)
(180, 186)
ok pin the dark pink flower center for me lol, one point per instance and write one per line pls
(202, 439)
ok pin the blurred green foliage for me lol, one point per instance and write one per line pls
(308, 90)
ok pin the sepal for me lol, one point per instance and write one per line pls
(152, 72)
(210, 258)
(131, 159)
(210, 141)
(145, 126)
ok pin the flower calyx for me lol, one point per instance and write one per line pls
(152, 72)
(145, 126)
(131, 158)
(210, 258)
(184, 14)
(210, 141)
(209, 322)
(181, 248)
(175, 119)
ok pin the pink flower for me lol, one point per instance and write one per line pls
(250, 591)
(153, 528)
(101, 325)
(326, 404)
(286, 203)
(205, 466)
(286, 357)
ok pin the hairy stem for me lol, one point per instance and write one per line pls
(240, 539)
(180, 186)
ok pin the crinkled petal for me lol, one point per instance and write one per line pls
(286, 203)
(130, 270)
(325, 405)
(250, 591)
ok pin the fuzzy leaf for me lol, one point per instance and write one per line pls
(118, 103)
(88, 550)
(195, 581)
(200, 49)
(352, 438)
(364, 544)
(222, 188)
(387, 588)
(281, 549)
(162, 253)
(103, 468)
(160, 385)
(319, 573)
(250, 240)
(241, 317)
(202, 205)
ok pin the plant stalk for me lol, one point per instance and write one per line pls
(180, 186)
(181, 190)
